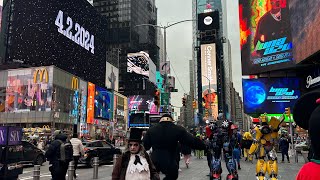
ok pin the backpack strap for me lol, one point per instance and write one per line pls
(62, 151)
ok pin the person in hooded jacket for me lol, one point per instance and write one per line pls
(57, 168)
(164, 138)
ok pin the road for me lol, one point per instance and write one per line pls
(197, 170)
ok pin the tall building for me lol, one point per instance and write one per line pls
(125, 33)
(224, 68)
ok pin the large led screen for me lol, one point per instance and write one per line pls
(29, 90)
(265, 35)
(305, 22)
(138, 63)
(209, 78)
(270, 95)
(142, 103)
(69, 34)
(102, 103)
(139, 120)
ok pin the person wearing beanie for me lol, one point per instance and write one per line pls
(306, 114)
(164, 138)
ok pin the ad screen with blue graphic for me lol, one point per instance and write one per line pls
(270, 95)
(102, 104)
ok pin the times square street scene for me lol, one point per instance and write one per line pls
(159, 89)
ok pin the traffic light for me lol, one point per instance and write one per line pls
(287, 111)
(263, 118)
(184, 101)
(207, 113)
(157, 98)
(194, 104)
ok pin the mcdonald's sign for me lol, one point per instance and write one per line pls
(41, 73)
(74, 83)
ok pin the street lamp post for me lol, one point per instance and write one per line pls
(164, 44)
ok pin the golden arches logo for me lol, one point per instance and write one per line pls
(74, 83)
(46, 127)
(42, 73)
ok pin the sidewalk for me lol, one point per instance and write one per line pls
(198, 169)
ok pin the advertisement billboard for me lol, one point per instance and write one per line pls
(138, 63)
(103, 104)
(142, 103)
(29, 90)
(270, 95)
(62, 33)
(139, 120)
(265, 35)
(112, 77)
(305, 22)
(209, 78)
(208, 21)
(90, 106)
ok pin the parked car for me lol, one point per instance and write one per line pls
(98, 148)
(32, 154)
(300, 146)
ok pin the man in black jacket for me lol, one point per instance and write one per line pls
(57, 168)
(164, 138)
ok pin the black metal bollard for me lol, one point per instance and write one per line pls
(71, 170)
(36, 172)
(95, 167)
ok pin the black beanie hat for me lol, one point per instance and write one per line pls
(306, 114)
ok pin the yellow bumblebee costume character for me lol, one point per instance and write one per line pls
(266, 137)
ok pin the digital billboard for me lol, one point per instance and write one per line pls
(90, 103)
(29, 90)
(103, 104)
(112, 77)
(305, 22)
(270, 95)
(142, 103)
(209, 78)
(67, 34)
(265, 35)
(139, 120)
(1, 6)
(208, 21)
(138, 63)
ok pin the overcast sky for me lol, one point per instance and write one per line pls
(179, 42)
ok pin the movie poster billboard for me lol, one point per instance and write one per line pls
(305, 22)
(270, 95)
(29, 90)
(209, 78)
(265, 35)
(112, 77)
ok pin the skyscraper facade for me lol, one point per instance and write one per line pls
(126, 34)
(201, 6)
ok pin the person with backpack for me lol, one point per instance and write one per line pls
(59, 154)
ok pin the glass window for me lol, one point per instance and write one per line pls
(105, 144)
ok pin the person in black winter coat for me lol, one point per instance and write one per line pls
(164, 138)
(284, 147)
(57, 168)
